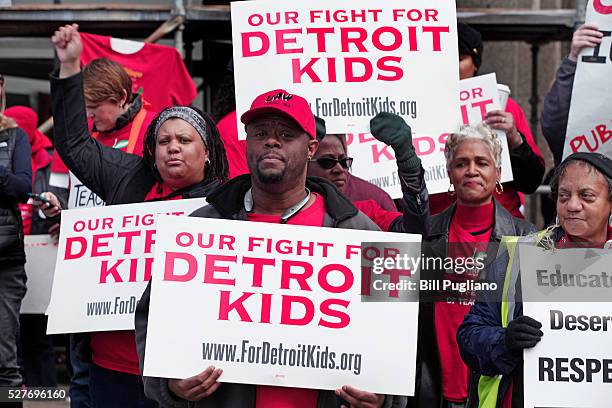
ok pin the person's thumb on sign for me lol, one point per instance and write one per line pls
(360, 399)
(197, 387)
(588, 35)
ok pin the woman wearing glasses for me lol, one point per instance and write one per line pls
(331, 162)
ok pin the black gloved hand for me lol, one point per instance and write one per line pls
(523, 332)
(392, 130)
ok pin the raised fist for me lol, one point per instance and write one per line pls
(67, 43)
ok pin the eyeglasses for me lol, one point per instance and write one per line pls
(329, 163)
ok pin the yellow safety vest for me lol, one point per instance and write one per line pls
(488, 387)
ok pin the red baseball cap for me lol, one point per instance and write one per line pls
(281, 101)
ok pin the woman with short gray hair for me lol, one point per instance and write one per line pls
(481, 132)
(470, 228)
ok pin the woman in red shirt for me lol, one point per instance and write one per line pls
(183, 157)
(465, 230)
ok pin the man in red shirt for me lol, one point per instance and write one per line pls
(280, 141)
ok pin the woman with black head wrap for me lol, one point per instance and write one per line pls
(183, 157)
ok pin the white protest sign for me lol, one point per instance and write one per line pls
(41, 252)
(589, 125)
(479, 95)
(568, 291)
(375, 161)
(351, 59)
(280, 305)
(104, 262)
(81, 196)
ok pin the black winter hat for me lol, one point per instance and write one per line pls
(470, 43)
(597, 160)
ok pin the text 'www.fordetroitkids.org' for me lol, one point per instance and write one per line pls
(303, 355)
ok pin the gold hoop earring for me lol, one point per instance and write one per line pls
(498, 187)
(450, 191)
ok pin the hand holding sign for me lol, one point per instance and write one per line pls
(523, 332)
(504, 121)
(197, 387)
(588, 35)
(360, 399)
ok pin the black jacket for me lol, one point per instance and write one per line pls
(15, 183)
(227, 203)
(555, 112)
(428, 392)
(115, 176)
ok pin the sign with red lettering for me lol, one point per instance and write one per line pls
(589, 125)
(283, 305)
(40, 251)
(104, 262)
(374, 161)
(569, 292)
(351, 59)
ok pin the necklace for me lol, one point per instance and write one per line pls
(288, 213)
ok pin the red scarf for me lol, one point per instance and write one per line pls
(27, 119)
(567, 241)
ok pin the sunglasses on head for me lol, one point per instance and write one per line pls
(329, 163)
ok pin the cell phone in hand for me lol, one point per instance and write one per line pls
(39, 197)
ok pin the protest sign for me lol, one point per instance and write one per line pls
(104, 262)
(589, 125)
(351, 59)
(41, 252)
(375, 161)
(281, 305)
(568, 291)
(81, 196)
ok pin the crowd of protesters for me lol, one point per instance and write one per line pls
(290, 171)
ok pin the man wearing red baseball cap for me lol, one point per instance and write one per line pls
(281, 139)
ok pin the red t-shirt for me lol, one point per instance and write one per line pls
(234, 149)
(376, 213)
(510, 199)
(358, 189)
(158, 69)
(463, 242)
(116, 350)
(287, 397)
